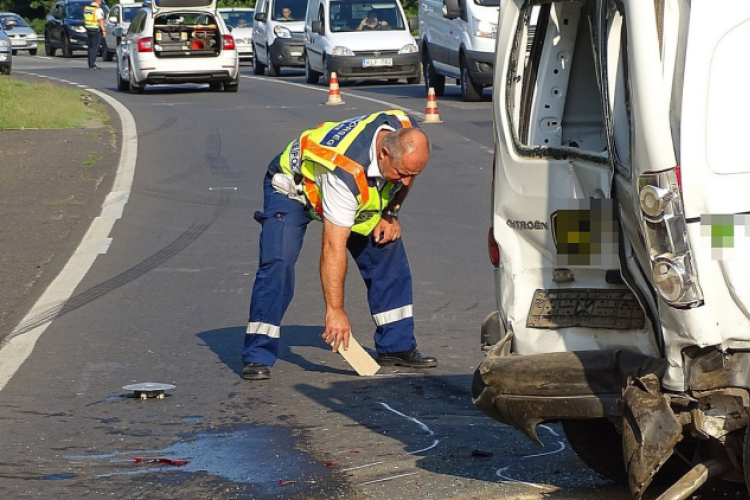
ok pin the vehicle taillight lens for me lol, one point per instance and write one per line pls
(493, 248)
(229, 42)
(665, 231)
(145, 44)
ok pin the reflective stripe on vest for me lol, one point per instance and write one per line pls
(89, 17)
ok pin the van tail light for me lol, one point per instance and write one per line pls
(665, 231)
(493, 248)
(229, 43)
(146, 44)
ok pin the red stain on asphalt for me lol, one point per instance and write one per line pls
(330, 464)
(284, 483)
(353, 451)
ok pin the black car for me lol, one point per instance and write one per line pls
(64, 27)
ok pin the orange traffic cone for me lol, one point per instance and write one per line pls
(334, 96)
(431, 114)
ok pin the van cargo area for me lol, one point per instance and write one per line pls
(186, 35)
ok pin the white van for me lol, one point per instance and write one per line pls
(359, 39)
(278, 35)
(458, 41)
(620, 236)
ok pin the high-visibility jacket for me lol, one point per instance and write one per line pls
(90, 22)
(344, 149)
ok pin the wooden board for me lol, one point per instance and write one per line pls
(358, 358)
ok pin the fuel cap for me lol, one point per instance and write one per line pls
(147, 390)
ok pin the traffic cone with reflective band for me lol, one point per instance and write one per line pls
(334, 96)
(431, 114)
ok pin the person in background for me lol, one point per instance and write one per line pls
(93, 21)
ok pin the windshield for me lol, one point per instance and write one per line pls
(238, 18)
(128, 13)
(289, 10)
(14, 21)
(365, 16)
(75, 10)
(488, 3)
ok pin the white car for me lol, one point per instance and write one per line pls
(177, 41)
(22, 36)
(240, 21)
(121, 15)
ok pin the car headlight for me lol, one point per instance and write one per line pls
(4, 43)
(341, 51)
(32, 38)
(484, 29)
(409, 49)
(282, 32)
(79, 29)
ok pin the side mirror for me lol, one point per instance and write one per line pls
(112, 19)
(413, 24)
(117, 32)
(229, 27)
(261, 17)
(451, 9)
(317, 28)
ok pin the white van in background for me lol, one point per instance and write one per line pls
(359, 39)
(458, 41)
(278, 38)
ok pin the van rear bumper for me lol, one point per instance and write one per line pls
(526, 390)
(481, 66)
(404, 66)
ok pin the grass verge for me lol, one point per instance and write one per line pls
(43, 105)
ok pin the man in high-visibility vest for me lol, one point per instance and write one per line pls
(354, 176)
(93, 21)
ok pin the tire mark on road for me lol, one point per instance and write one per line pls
(190, 235)
(171, 120)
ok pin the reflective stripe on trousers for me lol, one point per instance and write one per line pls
(384, 268)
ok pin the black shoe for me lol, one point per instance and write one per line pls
(95, 67)
(411, 358)
(256, 371)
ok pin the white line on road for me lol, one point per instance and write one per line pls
(388, 478)
(17, 347)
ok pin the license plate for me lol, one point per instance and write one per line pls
(15, 42)
(295, 54)
(369, 63)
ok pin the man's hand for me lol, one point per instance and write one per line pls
(387, 230)
(337, 330)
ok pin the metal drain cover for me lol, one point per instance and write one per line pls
(149, 390)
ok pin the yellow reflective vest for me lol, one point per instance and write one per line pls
(89, 17)
(344, 149)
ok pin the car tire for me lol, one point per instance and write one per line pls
(108, 55)
(311, 76)
(134, 87)
(598, 444)
(327, 75)
(392, 80)
(232, 86)
(258, 67)
(431, 77)
(66, 50)
(14, 52)
(49, 50)
(216, 85)
(122, 85)
(33, 52)
(274, 70)
(470, 91)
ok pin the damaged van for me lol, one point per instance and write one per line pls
(620, 236)
(177, 41)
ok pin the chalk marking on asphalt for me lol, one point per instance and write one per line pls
(501, 471)
(371, 99)
(501, 474)
(18, 346)
(420, 424)
(388, 478)
(363, 466)
(561, 448)
(550, 430)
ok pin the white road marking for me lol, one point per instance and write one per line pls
(17, 347)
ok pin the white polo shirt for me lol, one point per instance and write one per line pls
(339, 203)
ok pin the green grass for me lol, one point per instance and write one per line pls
(43, 105)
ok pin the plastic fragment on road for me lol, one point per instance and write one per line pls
(282, 482)
(148, 390)
(358, 358)
(331, 464)
(161, 460)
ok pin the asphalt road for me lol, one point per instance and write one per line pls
(168, 302)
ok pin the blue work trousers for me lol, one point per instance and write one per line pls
(384, 268)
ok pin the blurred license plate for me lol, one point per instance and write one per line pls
(368, 63)
(295, 54)
(15, 42)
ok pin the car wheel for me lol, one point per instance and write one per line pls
(134, 87)
(431, 77)
(108, 56)
(33, 52)
(232, 86)
(66, 50)
(311, 76)
(598, 444)
(122, 85)
(258, 67)
(274, 70)
(470, 91)
(49, 50)
(326, 74)
(14, 52)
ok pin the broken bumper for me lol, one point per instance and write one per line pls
(526, 390)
